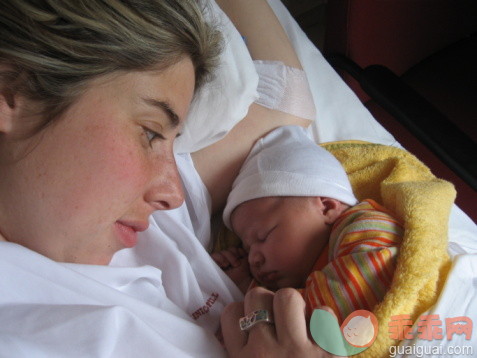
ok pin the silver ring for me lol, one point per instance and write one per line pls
(253, 318)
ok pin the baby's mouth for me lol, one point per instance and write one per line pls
(268, 277)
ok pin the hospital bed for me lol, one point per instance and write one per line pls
(340, 116)
(166, 294)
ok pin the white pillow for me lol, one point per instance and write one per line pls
(223, 102)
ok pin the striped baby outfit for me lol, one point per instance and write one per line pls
(360, 261)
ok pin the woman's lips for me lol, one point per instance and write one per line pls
(128, 233)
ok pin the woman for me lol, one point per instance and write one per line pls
(93, 94)
(78, 74)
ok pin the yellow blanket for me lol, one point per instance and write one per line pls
(400, 182)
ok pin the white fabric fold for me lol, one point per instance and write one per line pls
(284, 89)
(50, 309)
(162, 298)
(223, 102)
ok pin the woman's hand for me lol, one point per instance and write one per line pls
(287, 337)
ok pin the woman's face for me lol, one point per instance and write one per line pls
(91, 179)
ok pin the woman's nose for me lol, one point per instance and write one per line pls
(166, 191)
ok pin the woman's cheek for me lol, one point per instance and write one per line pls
(129, 170)
(117, 172)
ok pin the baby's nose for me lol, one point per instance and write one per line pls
(255, 258)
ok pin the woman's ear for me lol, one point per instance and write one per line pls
(7, 110)
(331, 208)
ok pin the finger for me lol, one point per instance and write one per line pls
(290, 318)
(220, 260)
(245, 265)
(234, 337)
(241, 252)
(232, 259)
(260, 298)
(216, 256)
(234, 250)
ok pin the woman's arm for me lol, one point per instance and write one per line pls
(265, 37)
(218, 164)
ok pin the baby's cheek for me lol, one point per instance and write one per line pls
(287, 255)
(297, 268)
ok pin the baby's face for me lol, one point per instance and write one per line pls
(283, 236)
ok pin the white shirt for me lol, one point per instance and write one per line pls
(161, 299)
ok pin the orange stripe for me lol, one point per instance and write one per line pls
(364, 231)
(371, 240)
(385, 257)
(376, 217)
(367, 294)
(350, 238)
(378, 268)
(310, 290)
(340, 268)
(318, 294)
(332, 303)
(371, 297)
(375, 241)
(381, 276)
(349, 248)
(311, 303)
(322, 292)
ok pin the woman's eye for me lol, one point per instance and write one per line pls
(152, 136)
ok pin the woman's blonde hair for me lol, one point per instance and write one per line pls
(52, 48)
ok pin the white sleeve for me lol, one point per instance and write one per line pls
(161, 299)
(53, 310)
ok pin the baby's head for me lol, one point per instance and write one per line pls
(283, 203)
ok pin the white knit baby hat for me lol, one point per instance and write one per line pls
(286, 162)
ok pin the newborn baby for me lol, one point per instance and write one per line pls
(293, 208)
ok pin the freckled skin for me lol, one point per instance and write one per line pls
(95, 166)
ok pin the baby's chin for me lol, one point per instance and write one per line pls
(271, 286)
